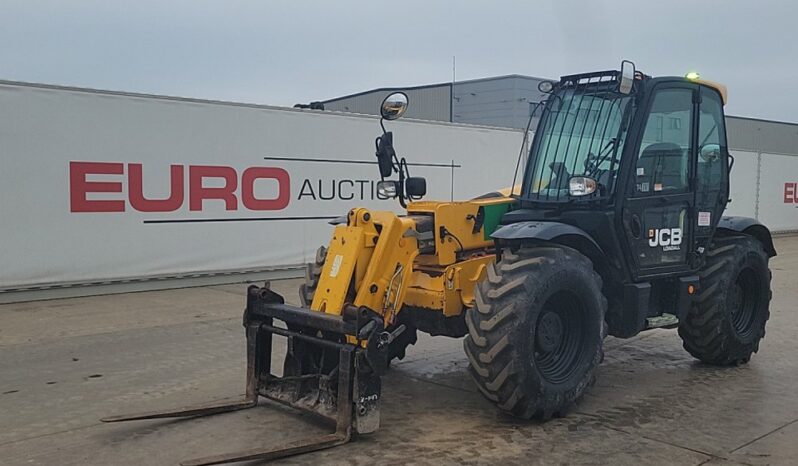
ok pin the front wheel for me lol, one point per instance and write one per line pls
(536, 331)
(727, 321)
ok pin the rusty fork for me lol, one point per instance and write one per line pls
(260, 382)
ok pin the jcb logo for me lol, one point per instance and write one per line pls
(664, 237)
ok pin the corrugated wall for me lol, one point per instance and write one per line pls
(762, 135)
(504, 102)
(500, 102)
(426, 103)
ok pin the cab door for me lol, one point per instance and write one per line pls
(659, 199)
(711, 167)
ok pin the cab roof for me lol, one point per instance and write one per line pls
(596, 77)
(721, 88)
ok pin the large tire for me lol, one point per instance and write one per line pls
(396, 349)
(312, 276)
(536, 331)
(727, 321)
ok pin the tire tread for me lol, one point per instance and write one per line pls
(707, 332)
(493, 348)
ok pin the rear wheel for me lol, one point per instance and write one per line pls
(536, 331)
(727, 321)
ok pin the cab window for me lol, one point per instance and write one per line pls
(711, 147)
(663, 159)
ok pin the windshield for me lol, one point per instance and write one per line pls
(580, 134)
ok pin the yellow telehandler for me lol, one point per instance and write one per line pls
(616, 228)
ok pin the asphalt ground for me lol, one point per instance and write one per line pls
(66, 363)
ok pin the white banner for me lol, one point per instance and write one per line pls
(101, 186)
(743, 185)
(778, 192)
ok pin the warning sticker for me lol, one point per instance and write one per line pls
(704, 219)
(336, 265)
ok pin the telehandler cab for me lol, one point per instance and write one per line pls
(617, 228)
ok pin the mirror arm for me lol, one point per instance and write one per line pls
(401, 189)
(393, 106)
(377, 150)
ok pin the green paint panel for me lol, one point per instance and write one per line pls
(493, 213)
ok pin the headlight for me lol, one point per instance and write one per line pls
(581, 186)
(387, 189)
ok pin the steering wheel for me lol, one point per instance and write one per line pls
(560, 176)
(591, 162)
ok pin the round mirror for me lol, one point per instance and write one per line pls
(394, 106)
(545, 86)
(710, 152)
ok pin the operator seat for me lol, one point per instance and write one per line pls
(664, 163)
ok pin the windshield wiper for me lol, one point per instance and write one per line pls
(704, 141)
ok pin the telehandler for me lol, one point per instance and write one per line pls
(617, 228)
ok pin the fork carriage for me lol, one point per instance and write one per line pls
(344, 389)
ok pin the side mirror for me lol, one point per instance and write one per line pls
(626, 77)
(710, 152)
(394, 106)
(415, 186)
(385, 154)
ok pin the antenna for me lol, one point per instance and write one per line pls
(451, 91)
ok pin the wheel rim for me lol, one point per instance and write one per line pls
(560, 337)
(745, 296)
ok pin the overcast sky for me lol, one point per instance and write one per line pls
(284, 52)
